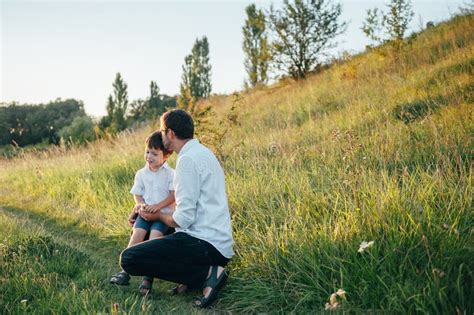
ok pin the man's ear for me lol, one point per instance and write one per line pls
(171, 134)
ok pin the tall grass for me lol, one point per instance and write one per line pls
(378, 148)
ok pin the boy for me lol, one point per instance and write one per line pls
(153, 191)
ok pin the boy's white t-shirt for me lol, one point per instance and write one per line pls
(154, 187)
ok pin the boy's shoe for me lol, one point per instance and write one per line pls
(120, 278)
(145, 286)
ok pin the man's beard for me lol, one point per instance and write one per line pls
(166, 144)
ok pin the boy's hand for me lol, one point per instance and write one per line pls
(151, 208)
(138, 207)
(132, 218)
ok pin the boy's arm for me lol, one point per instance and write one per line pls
(162, 204)
(138, 199)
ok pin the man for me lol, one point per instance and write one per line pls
(194, 256)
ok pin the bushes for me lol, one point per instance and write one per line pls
(80, 131)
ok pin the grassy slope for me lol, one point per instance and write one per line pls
(377, 148)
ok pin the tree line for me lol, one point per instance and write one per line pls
(289, 41)
(293, 40)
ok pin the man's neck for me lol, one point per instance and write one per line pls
(180, 144)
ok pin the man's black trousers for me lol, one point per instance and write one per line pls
(177, 257)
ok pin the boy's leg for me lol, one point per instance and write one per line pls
(156, 232)
(138, 236)
(140, 229)
(178, 258)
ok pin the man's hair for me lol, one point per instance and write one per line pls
(154, 141)
(180, 122)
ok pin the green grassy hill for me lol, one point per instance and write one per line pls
(376, 148)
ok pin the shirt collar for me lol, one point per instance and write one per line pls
(188, 145)
(163, 166)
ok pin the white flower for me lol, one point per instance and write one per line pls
(23, 301)
(341, 293)
(331, 307)
(333, 303)
(364, 245)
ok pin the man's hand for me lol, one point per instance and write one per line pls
(151, 208)
(148, 216)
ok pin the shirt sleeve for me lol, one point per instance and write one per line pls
(138, 185)
(170, 180)
(187, 187)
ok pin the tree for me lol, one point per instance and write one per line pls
(196, 77)
(302, 31)
(255, 46)
(29, 124)
(81, 130)
(116, 107)
(390, 26)
(155, 107)
(152, 107)
(120, 104)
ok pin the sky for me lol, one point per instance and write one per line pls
(73, 49)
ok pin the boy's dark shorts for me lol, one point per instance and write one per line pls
(141, 223)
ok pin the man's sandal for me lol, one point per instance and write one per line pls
(145, 286)
(216, 284)
(120, 278)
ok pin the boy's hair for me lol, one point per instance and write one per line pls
(180, 122)
(154, 141)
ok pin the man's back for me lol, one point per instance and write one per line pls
(201, 200)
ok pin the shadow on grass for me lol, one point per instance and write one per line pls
(69, 233)
(421, 108)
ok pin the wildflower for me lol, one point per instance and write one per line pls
(364, 245)
(341, 293)
(330, 307)
(115, 308)
(333, 303)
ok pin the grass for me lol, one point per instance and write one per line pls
(377, 148)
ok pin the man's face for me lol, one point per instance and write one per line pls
(166, 140)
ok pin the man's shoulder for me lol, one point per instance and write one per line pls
(199, 150)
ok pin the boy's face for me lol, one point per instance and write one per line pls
(154, 158)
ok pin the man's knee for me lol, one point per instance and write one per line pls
(128, 258)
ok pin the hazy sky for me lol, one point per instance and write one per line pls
(73, 49)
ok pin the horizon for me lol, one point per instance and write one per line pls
(96, 40)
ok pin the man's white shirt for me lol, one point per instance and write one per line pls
(202, 209)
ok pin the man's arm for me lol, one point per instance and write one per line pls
(166, 218)
(187, 190)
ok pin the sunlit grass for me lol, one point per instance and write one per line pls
(376, 149)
